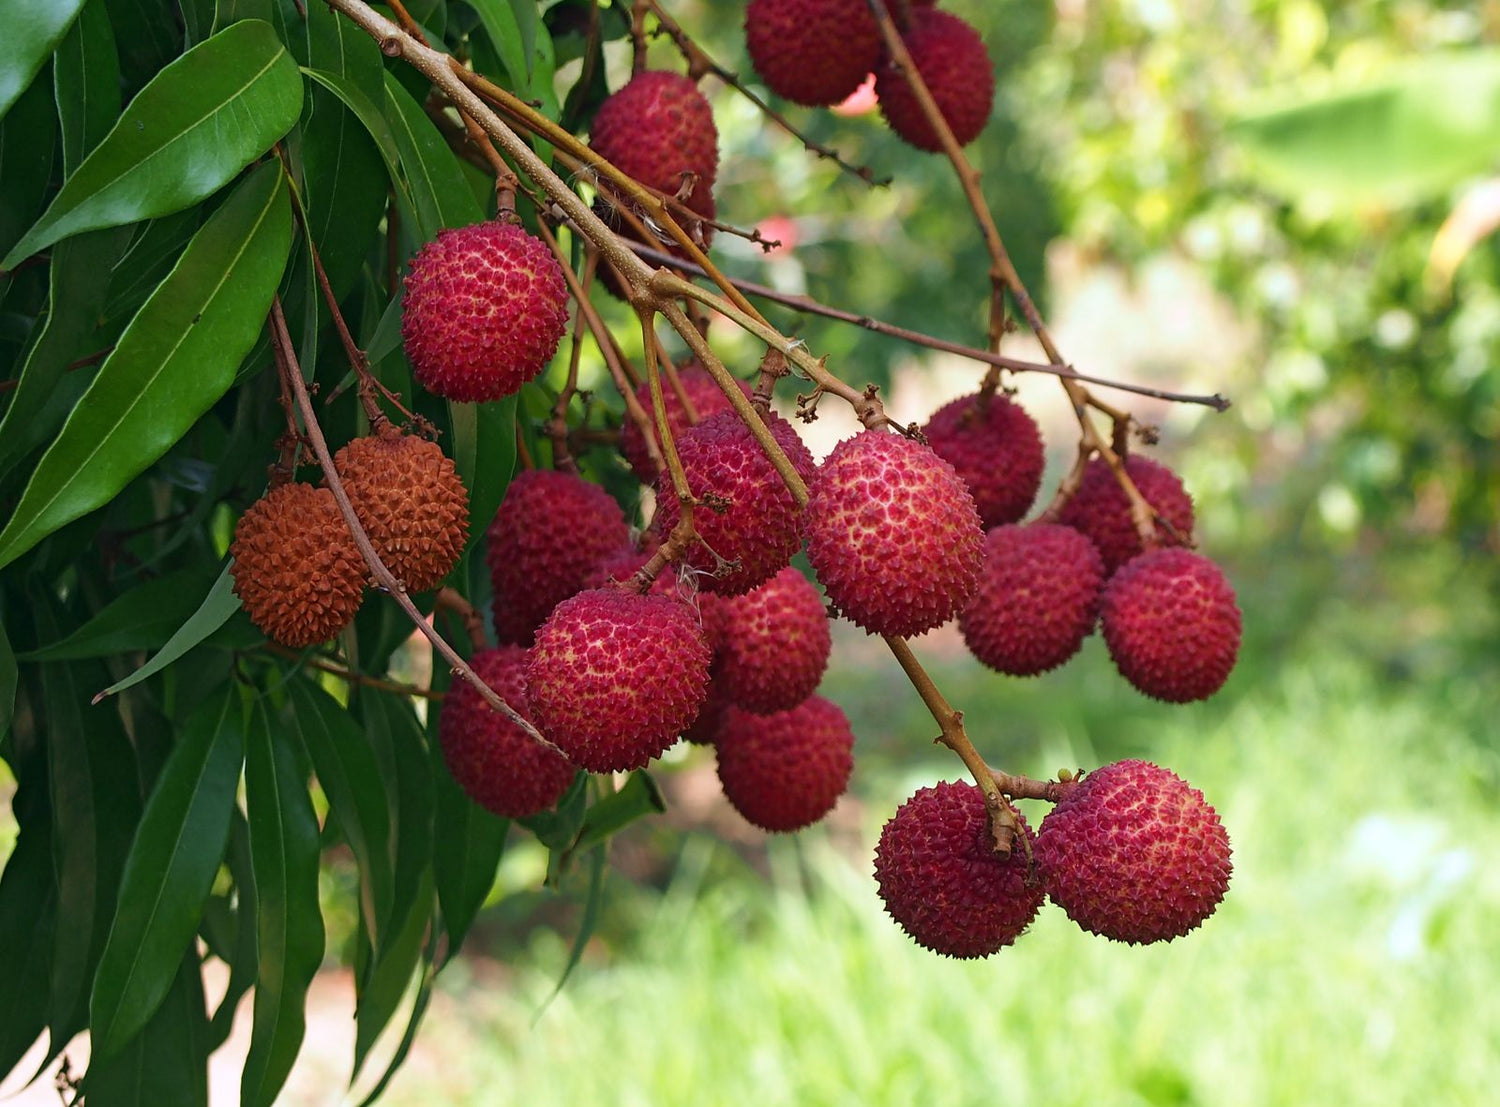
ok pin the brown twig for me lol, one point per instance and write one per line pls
(350, 676)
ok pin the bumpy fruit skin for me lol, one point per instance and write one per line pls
(704, 730)
(785, 771)
(615, 677)
(486, 306)
(760, 524)
(997, 449)
(500, 766)
(942, 881)
(1134, 853)
(296, 570)
(953, 61)
(1038, 598)
(1172, 625)
(1099, 508)
(893, 534)
(706, 397)
(657, 127)
(618, 568)
(813, 52)
(411, 502)
(775, 645)
(550, 533)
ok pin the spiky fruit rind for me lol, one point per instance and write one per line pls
(1037, 600)
(1172, 625)
(615, 677)
(785, 771)
(657, 127)
(411, 502)
(1134, 853)
(956, 67)
(296, 569)
(498, 765)
(813, 52)
(485, 307)
(672, 581)
(775, 645)
(997, 449)
(703, 393)
(1100, 509)
(704, 730)
(942, 881)
(893, 534)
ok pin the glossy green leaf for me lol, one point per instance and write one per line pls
(143, 618)
(370, 113)
(7, 681)
(211, 614)
(243, 964)
(413, 1020)
(147, 37)
(28, 136)
(558, 829)
(177, 357)
(484, 454)
(154, 248)
(28, 914)
(439, 191)
(588, 923)
(392, 974)
(500, 22)
(86, 81)
(468, 843)
(166, 1063)
(638, 797)
(189, 132)
(33, 28)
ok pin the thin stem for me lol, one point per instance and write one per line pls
(352, 677)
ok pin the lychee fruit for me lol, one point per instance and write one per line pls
(813, 52)
(411, 502)
(698, 389)
(708, 609)
(942, 881)
(956, 68)
(656, 128)
(1172, 625)
(748, 515)
(785, 771)
(775, 645)
(296, 569)
(1038, 598)
(615, 677)
(1134, 853)
(485, 308)
(1100, 509)
(997, 449)
(893, 534)
(704, 730)
(500, 766)
(551, 531)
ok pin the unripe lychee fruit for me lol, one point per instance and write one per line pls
(1099, 508)
(657, 127)
(296, 570)
(813, 52)
(785, 771)
(551, 531)
(997, 449)
(705, 396)
(1038, 598)
(500, 766)
(1134, 853)
(1172, 625)
(942, 881)
(776, 644)
(615, 677)
(750, 516)
(410, 501)
(893, 534)
(485, 307)
(956, 67)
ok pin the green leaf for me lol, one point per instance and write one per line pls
(558, 829)
(243, 967)
(499, 18)
(413, 1022)
(28, 913)
(189, 132)
(166, 1064)
(33, 28)
(637, 798)
(7, 681)
(86, 80)
(143, 618)
(467, 846)
(484, 454)
(392, 974)
(177, 357)
(27, 138)
(147, 38)
(369, 113)
(211, 614)
(587, 924)
(438, 188)
(169, 872)
(393, 730)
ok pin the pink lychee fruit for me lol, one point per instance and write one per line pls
(813, 52)
(1099, 508)
(707, 608)
(785, 771)
(698, 389)
(704, 730)
(956, 67)
(997, 449)
(775, 645)
(657, 127)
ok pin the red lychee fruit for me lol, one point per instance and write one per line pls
(750, 517)
(615, 677)
(708, 609)
(486, 306)
(942, 881)
(500, 766)
(776, 644)
(893, 534)
(1099, 508)
(698, 388)
(704, 730)
(785, 771)
(813, 52)
(956, 67)
(997, 449)
(1134, 853)
(1172, 625)
(296, 569)
(656, 128)
(551, 531)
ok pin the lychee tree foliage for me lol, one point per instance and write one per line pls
(290, 279)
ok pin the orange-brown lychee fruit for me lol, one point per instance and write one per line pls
(785, 771)
(656, 128)
(997, 449)
(775, 645)
(296, 569)
(813, 52)
(956, 67)
(1135, 853)
(1099, 508)
(698, 388)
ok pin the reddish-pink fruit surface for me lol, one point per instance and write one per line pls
(615, 677)
(893, 534)
(1134, 853)
(485, 307)
(1172, 625)
(657, 127)
(1099, 508)
(704, 730)
(551, 531)
(500, 766)
(956, 67)
(708, 609)
(759, 524)
(997, 449)
(813, 52)
(942, 881)
(785, 771)
(1038, 598)
(706, 397)
(776, 644)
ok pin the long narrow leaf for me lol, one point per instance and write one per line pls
(33, 29)
(211, 614)
(166, 1064)
(86, 80)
